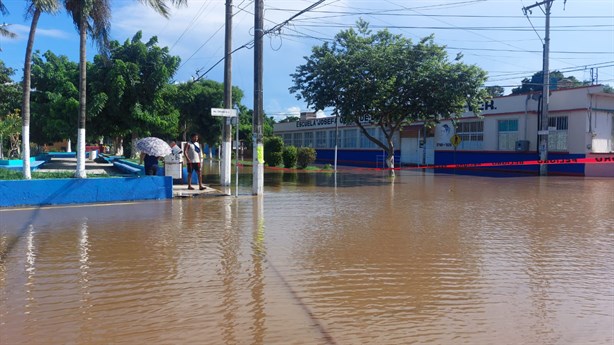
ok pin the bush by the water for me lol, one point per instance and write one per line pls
(273, 148)
(290, 156)
(305, 157)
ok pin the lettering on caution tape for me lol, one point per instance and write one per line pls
(590, 160)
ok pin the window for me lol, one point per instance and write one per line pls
(298, 139)
(308, 140)
(557, 135)
(321, 139)
(288, 139)
(471, 134)
(508, 134)
(331, 139)
(349, 138)
(365, 142)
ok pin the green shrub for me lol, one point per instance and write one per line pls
(273, 148)
(274, 159)
(305, 157)
(290, 156)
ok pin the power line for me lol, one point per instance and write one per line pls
(266, 32)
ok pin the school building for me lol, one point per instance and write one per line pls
(580, 125)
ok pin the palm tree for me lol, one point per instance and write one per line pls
(35, 8)
(93, 17)
(4, 32)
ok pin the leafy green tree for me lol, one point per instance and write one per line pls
(10, 92)
(94, 17)
(56, 99)
(245, 126)
(133, 85)
(9, 129)
(34, 9)
(495, 91)
(195, 100)
(557, 80)
(387, 79)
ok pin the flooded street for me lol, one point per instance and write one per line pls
(427, 259)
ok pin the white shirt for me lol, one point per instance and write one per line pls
(195, 157)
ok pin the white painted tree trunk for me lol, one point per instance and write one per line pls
(80, 172)
(25, 155)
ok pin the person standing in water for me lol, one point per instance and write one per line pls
(193, 156)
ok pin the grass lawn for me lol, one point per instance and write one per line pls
(6, 174)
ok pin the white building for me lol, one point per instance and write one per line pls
(580, 121)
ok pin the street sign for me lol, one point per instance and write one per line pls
(224, 112)
(455, 140)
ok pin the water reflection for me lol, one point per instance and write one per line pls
(419, 259)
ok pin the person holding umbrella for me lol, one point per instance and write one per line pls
(193, 156)
(151, 149)
(151, 163)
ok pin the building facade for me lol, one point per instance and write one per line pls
(580, 125)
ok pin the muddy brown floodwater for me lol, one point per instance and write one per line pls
(422, 259)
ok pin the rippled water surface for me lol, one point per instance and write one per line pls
(421, 259)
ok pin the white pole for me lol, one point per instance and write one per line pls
(237, 159)
(336, 138)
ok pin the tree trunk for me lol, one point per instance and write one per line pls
(134, 152)
(390, 155)
(25, 107)
(80, 172)
(118, 146)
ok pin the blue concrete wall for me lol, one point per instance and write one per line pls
(81, 191)
(354, 157)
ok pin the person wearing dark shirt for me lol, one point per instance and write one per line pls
(151, 164)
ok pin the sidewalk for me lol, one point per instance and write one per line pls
(91, 167)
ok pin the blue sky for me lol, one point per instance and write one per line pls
(492, 34)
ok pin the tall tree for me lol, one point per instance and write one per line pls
(557, 81)
(93, 17)
(495, 90)
(56, 99)
(10, 92)
(35, 9)
(387, 79)
(195, 100)
(135, 82)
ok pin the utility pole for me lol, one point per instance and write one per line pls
(227, 132)
(258, 118)
(543, 128)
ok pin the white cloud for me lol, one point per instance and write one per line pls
(23, 31)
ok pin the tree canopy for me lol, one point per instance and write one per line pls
(55, 103)
(557, 81)
(133, 82)
(388, 79)
(10, 92)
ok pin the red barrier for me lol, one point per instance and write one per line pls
(591, 160)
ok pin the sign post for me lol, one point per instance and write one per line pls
(223, 112)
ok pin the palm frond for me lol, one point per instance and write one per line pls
(6, 33)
